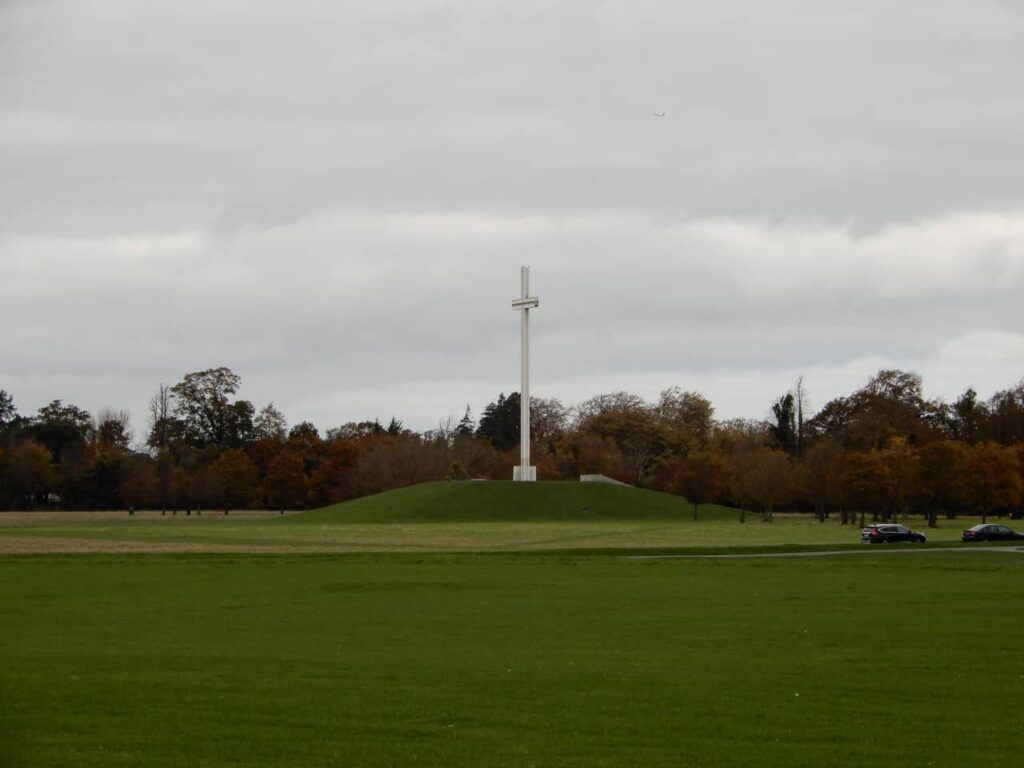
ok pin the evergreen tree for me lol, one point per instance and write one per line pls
(784, 429)
(500, 422)
(466, 425)
(8, 414)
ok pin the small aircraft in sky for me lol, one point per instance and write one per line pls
(658, 114)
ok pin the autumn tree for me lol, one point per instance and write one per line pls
(739, 440)
(631, 426)
(333, 479)
(700, 478)
(178, 495)
(1018, 448)
(637, 436)
(103, 472)
(398, 462)
(472, 457)
(993, 478)
(770, 480)
(107, 460)
(867, 480)
(739, 479)
(833, 420)
(890, 405)
(744, 434)
(236, 478)
(821, 478)
(549, 420)
(286, 484)
(585, 453)
(64, 430)
(262, 452)
(606, 402)
(687, 419)
(26, 474)
(201, 488)
(942, 478)
(140, 486)
(164, 469)
(901, 461)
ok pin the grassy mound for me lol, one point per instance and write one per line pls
(506, 501)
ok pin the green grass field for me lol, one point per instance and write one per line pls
(446, 626)
(510, 660)
(443, 517)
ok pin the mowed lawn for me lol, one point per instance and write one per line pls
(443, 517)
(148, 531)
(509, 659)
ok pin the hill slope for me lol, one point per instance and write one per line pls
(479, 501)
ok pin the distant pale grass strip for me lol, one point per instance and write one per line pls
(83, 532)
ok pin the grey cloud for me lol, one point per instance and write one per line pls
(868, 113)
(333, 198)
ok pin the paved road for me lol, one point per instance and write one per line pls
(869, 549)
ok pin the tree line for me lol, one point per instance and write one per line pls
(884, 451)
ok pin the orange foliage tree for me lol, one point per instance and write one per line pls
(993, 478)
(770, 480)
(700, 478)
(286, 484)
(942, 478)
(236, 477)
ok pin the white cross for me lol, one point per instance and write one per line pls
(525, 303)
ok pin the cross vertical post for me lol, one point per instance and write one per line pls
(525, 472)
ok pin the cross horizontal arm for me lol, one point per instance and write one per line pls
(528, 303)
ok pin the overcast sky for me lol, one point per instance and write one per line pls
(333, 199)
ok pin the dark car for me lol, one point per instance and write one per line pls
(991, 532)
(887, 533)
